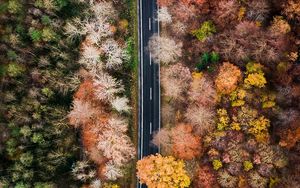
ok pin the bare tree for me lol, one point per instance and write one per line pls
(75, 28)
(82, 170)
(163, 15)
(164, 50)
(106, 87)
(97, 30)
(202, 118)
(118, 123)
(96, 183)
(175, 79)
(248, 40)
(121, 104)
(112, 171)
(168, 113)
(163, 139)
(183, 12)
(226, 12)
(115, 54)
(116, 146)
(104, 10)
(81, 113)
(203, 92)
(90, 56)
(258, 10)
(179, 28)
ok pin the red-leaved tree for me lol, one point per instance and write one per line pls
(186, 145)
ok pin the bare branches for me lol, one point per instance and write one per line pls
(164, 50)
(175, 80)
(114, 53)
(202, 118)
(164, 15)
(106, 87)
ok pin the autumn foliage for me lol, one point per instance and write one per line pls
(159, 171)
(237, 44)
(185, 145)
(291, 136)
(292, 9)
(228, 78)
(244, 110)
(202, 91)
(103, 135)
(205, 178)
(85, 91)
(180, 141)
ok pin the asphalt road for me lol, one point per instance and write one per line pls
(149, 85)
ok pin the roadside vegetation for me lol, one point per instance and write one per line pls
(68, 93)
(230, 77)
(101, 106)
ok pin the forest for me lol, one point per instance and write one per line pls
(230, 94)
(67, 80)
(230, 78)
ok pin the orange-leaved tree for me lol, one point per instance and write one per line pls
(186, 145)
(228, 77)
(290, 137)
(164, 172)
(103, 134)
(180, 141)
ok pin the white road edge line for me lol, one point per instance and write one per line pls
(141, 137)
(142, 80)
(150, 128)
(149, 23)
(159, 94)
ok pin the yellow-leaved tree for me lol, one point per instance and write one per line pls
(163, 172)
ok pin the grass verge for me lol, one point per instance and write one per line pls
(134, 86)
